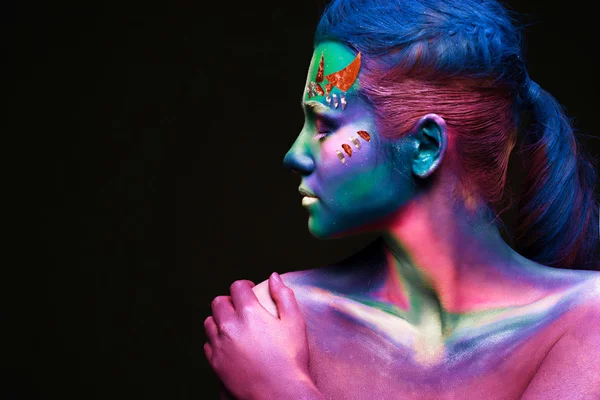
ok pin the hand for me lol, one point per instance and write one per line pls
(253, 352)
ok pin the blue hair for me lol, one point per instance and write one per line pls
(442, 41)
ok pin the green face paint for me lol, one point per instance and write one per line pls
(333, 74)
(351, 175)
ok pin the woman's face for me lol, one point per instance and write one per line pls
(357, 176)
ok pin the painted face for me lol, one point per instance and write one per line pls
(356, 175)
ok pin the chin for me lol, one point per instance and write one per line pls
(318, 230)
(332, 230)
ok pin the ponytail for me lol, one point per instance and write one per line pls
(557, 217)
(462, 60)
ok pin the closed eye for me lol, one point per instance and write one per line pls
(324, 128)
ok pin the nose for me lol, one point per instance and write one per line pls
(299, 160)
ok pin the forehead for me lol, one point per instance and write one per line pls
(333, 74)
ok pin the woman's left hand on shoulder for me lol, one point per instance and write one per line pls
(251, 350)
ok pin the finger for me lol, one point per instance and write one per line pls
(212, 332)
(208, 352)
(284, 297)
(243, 296)
(222, 310)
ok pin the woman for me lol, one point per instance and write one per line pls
(412, 109)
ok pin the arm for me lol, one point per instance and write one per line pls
(302, 390)
(258, 355)
(570, 369)
(298, 388)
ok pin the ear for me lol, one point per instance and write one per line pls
(431, 141)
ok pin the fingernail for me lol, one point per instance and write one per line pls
(277, 277)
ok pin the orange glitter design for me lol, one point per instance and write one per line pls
(347, 149)
(345, 78)
(319, 89)
(321, 69)
(364, 135)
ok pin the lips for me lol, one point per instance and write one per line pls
(306, 193)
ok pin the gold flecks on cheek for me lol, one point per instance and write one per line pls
(337, 143)
(355, 141)
(332, 150)
(347, 149)
(365, 135)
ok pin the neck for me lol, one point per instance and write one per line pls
(452, 258)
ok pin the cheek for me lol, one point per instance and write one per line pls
(354, 181)
(347, 151)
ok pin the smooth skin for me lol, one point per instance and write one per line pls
(439, 308)
(245, 342)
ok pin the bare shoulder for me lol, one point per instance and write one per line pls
(587, 296)
(569, 370)
(578, 301)
(590, 295)
(298, 281)
(582, 327)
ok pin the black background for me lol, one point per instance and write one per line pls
(144, 147)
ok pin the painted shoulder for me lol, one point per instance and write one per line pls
(569, 370)
(589, 291)
(584, 298)
(298, 281)
(312, 285)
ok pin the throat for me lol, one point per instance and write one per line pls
(430, 341)
(421, 327)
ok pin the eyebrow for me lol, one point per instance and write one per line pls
(316, 107)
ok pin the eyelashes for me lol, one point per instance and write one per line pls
(322, 135)
(324, 128)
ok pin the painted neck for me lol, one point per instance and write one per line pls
(453, 257)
